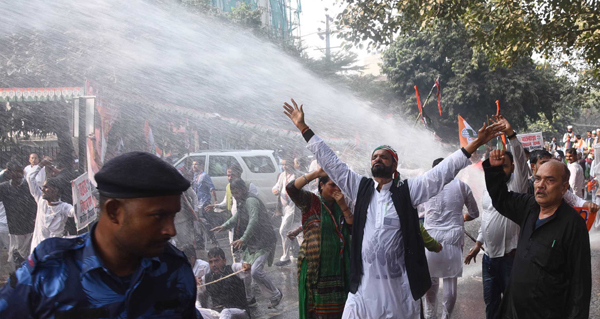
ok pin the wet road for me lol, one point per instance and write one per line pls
(469, 304)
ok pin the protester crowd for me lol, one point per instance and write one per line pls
(364, 246)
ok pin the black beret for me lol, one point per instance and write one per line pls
(137, 175)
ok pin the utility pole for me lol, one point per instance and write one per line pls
(327, 44)
(327, 35)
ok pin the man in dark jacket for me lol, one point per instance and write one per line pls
(551, 275)
(21, 210)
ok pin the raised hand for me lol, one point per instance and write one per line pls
(320, 173)
(497, 157)
(508, 130)
(487, 132)
(295, 113)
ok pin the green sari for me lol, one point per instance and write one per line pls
(324, 262)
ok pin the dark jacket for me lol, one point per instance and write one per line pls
(228, 293)
(551, 276)
(21, 208)
(414, 249)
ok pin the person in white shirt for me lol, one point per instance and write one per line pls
(288, 210)
(576, 180)
(444, 220)
(497, 234)
(52, 213)
(34, 160)
(388, 271)
(569, 138)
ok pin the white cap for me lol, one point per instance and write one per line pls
(569, 126)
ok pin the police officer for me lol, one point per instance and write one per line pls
(124, 267)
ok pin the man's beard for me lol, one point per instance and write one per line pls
(381, 170)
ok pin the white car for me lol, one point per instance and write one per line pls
(259, 167)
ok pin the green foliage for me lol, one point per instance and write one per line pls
(339, 64)
(244, 16)
(528, 94)
(505, 31)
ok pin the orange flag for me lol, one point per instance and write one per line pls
(420, 108)
(588, 216)
(498, 113)
(466, 134)
(419, 101)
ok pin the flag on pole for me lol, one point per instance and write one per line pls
(466, 134)
(503, 137)
(420, 108)
(497, 107)
(438, 94)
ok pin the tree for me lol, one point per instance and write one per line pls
(505, 31)
(527, 93)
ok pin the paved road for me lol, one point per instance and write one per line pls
(469, 305)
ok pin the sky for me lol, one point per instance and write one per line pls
(312, 18)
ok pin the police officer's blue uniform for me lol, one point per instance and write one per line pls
(65, 278)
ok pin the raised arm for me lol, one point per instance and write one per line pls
(301, 198)
(431, 183)
(346, 179)
(509, 204)
(34, 188)
(520, 181)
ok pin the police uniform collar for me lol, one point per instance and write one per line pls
(91, 260)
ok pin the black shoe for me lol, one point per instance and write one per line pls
(275, 301)
(283, 263)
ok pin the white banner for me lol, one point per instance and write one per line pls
(532, 141)
(83, 201)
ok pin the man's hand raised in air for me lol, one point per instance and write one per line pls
(296, 114)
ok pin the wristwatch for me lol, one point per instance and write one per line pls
(512, 135)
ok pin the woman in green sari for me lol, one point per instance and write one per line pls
(324, 259)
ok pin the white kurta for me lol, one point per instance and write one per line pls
(51, 217)
(41, 176)
(577, 180)
(384, 291)
(444, 221)
(499, 234)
